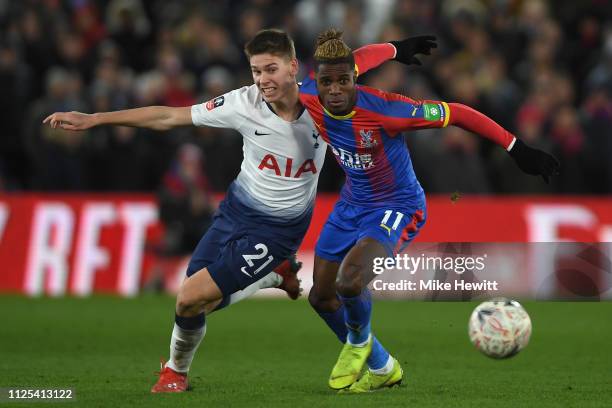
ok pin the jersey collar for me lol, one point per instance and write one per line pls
(274, 112)
(342, 117)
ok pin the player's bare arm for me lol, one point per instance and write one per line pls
(150, 117)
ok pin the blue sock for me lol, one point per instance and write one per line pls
(358, 310)
(190, 323)
(335, 321)
(379, 356)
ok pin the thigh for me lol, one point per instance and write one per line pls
(339, 234)
(357, 268)
(198, 290)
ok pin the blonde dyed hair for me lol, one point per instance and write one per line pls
(331, 47)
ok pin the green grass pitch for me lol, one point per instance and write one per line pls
(279, 353)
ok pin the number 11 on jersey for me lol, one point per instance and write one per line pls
(398, 219)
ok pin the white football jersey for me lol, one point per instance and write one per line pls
(282, 160)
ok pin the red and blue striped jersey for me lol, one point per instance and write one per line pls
(369, 146)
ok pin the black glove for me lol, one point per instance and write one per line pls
(406, 49)
(534, 161)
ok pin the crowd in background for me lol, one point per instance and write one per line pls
(542, 69)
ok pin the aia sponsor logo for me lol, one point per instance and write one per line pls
(274, 163)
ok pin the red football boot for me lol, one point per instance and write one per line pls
(288, 270)
(170, 381)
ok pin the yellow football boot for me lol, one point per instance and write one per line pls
(349, 365)
(371, 382)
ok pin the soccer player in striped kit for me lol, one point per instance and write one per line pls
(382, 205)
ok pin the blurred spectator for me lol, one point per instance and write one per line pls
(601, 74)
(129, 25)
(250, 22)
(534, 113)
(215, 81)
(178, 84)
(120, 159)
(86, 21)
(55, 154)
(458, 166)
(185, 203)
(36, 44)
(72, 53)
(567, 134)
(597, 118)
(413, 16)
(500, 94)
(15, 80)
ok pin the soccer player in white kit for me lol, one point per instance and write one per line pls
(267, 210)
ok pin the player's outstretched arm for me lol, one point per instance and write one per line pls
(404, 51)
(532, 161)
(150, 117)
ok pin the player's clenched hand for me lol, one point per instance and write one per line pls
(406, 49)
(70, 120)
(534, 161)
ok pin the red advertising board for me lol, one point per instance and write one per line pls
(60, 244)
(79, 244)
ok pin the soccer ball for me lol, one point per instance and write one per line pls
(499, 328)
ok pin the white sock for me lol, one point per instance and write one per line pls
(183, 346)
(386, 369)
(365, 343)
(271, 280)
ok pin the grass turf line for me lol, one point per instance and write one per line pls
(279, 353)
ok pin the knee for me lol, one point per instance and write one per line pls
(323, 302)
(196, 292)
(349, 282)
(188, 306)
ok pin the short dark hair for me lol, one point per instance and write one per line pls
(271, 41)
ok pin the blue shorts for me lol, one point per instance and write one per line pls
(394, 227)
(243, 245)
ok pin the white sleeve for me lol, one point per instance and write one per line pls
(225, 111)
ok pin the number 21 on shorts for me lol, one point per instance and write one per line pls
(262, 251)
(396, 222)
